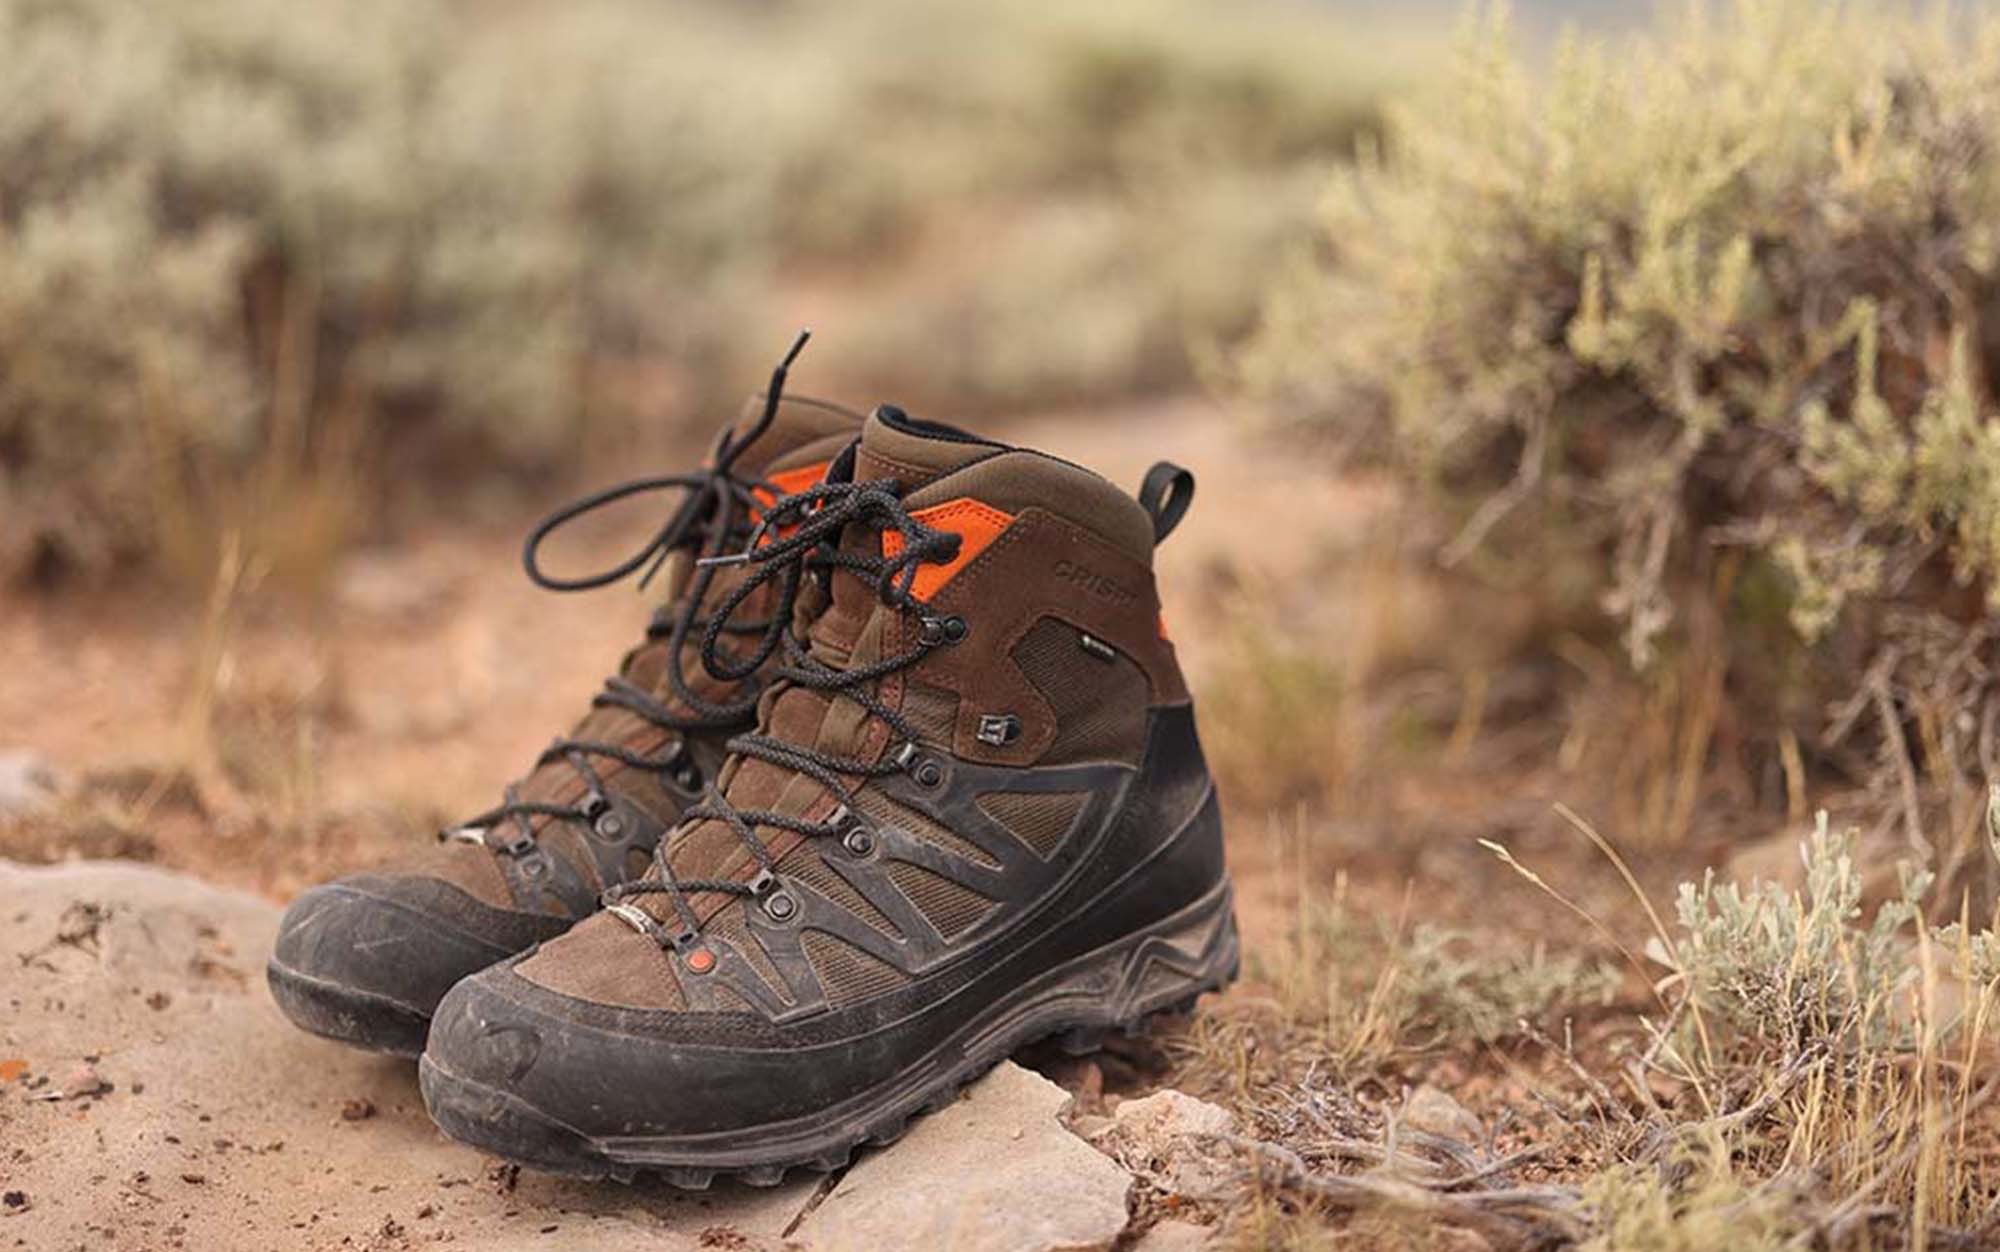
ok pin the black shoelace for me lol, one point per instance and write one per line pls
(818, 514)
(715, 513)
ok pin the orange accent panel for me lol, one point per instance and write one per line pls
(788, 483)
(791, 482)
(977, 526)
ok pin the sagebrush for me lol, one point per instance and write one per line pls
(1695, 339)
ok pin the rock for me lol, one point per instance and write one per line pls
(28, 784)
(1430, 1110)
(82, 1079)
(1166, 1139)
(1172, 1114)
(995, 1171)
(239, 1138)
(1173, 1236)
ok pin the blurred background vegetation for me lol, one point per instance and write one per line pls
(254, 257)
(1688, 344)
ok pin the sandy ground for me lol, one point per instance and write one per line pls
(152, 1097)
(219, 1126)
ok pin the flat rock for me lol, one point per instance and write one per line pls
(1173, 1236)
(152, 1097)
(1433, 1111)
(1167, 1139)
(994, 1172)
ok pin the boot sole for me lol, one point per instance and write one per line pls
(1163, 969)
(347, 1015)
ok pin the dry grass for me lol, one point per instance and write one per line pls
(1778, 1068)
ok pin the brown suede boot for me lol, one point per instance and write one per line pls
(365, 959)
(975, 813)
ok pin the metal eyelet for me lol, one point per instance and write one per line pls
(853, 833)
(943, 630)
(780, 906)
(609, 825)
(764, 883)
(929, 774)
(681, 773)
(595, 805)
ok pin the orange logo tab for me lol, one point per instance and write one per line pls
(977, 526)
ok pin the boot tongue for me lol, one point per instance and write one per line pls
(791, 454)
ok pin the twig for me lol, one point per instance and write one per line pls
(1897, 748)
(1495, 508)
(1522, 1214)
(1598, 1091)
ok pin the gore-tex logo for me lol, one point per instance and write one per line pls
(1094, 583)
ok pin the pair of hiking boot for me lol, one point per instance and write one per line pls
(903, 778)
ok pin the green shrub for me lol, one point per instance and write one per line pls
(1799, 967)
(1712, 315)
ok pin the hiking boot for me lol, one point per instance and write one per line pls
(975, 813)
(366, 958)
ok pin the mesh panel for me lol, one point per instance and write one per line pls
(1038, 820)
(932, 711)
(951, 907)
(890, 813)
(847, 973)
(803, 863)
(1100, 705)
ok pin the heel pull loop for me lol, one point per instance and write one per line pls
(1165, 493)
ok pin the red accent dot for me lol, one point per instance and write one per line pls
(701, 960)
